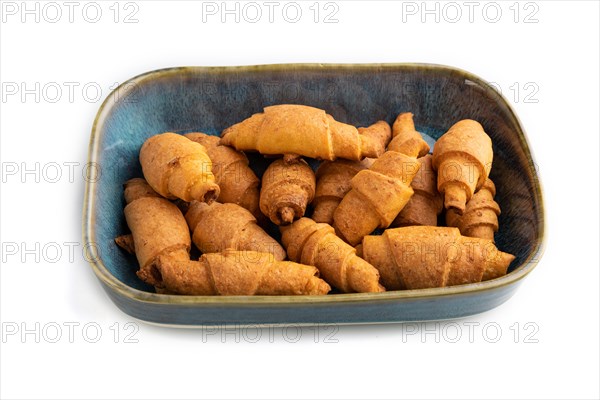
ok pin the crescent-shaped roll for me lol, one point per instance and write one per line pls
(237, 182)
(239, 273)
(306, 131)
(287, 188)
(216, 227)
(176, 167)
(462, 158)
(418, 257)
(406, 139)
(425, 205)
(312, 243)
(378, 194)
(333, 182)
(158, 228)
(480, 218)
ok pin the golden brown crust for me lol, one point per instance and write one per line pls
(137, 188)
(480, 218)
(287, 188)
(217, 227)
(235, 273)
(177, 167)
(304, 130)
(425, 205)
(126, 243)
(462, 158)
(312, 243)
(157, 228)
(354, 195)
(378, 194)
(417, 257)
(375, 138)
(406, 138)
(333, 182)
(237, 182)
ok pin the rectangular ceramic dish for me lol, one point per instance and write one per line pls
(211, 99)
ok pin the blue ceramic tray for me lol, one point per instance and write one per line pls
(211, 99)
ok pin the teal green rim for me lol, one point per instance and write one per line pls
(239, 301)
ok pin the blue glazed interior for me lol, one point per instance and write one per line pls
(184, 100)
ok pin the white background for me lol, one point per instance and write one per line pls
(557, 56)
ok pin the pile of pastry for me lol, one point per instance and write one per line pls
(365, 221)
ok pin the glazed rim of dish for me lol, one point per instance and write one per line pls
(111, 281)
